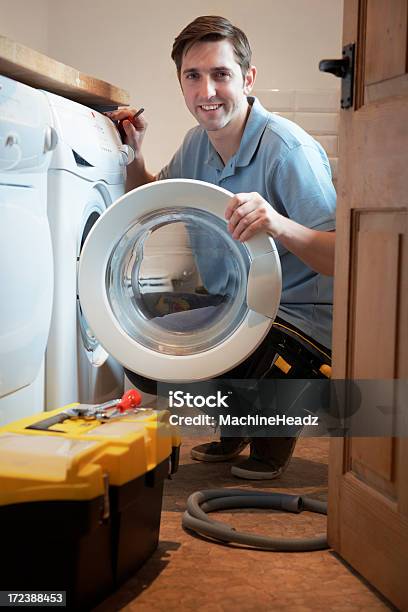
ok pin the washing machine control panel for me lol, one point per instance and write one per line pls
(89, 134)
(24, 121)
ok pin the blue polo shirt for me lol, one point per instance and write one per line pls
(288, 168)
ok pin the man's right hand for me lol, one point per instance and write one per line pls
(136, 173)
(135, 130)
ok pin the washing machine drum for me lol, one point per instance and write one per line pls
(166, 289)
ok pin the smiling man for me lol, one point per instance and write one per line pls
(282, 181)
(215, 89)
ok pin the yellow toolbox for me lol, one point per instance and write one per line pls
(80, 499)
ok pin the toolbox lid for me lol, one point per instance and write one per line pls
(69, 460)
(46, 467)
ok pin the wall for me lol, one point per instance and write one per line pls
(26, 22)
(129, 44)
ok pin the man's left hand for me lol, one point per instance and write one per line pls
(248, 214)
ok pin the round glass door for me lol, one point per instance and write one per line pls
(176, 281)
(166, 289)
(94, 351)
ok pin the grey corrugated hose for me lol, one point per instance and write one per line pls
(199, 503)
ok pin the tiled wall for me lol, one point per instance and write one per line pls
(316, 111)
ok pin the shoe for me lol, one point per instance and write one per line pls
(269, 458)
(226, 449)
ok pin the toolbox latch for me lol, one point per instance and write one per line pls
(106, 505)
(174, 460)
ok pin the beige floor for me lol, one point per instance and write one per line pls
(189, 573)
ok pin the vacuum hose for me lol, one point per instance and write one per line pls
(199, 503)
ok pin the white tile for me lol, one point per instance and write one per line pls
(276, 99)
(318, 123)
(329, 144)
(290, 116)
(318, 100)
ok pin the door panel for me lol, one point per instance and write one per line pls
(386, 21)
(368, 485)
(373, 461)
(377, 257)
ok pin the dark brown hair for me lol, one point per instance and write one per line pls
(212, 28)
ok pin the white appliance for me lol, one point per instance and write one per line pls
(86, 175)
(26, 262)
(219, 297)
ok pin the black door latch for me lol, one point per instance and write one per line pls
(344, 69)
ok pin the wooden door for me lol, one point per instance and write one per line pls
(368, 477)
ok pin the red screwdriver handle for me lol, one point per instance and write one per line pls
(130, 399)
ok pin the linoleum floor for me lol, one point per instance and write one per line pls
(189, 573)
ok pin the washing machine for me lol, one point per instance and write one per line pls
(87, 174)
(220, 296)
(26, 262)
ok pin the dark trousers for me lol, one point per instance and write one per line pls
(304, 355)
(285, 353)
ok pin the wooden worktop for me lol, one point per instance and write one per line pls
(38, 70)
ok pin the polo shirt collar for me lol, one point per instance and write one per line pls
(254, 128)
(213, 159)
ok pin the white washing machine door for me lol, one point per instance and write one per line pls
(166, 289)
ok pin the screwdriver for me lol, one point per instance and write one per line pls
(120, 127)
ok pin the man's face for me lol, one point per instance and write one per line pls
(213, 86)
